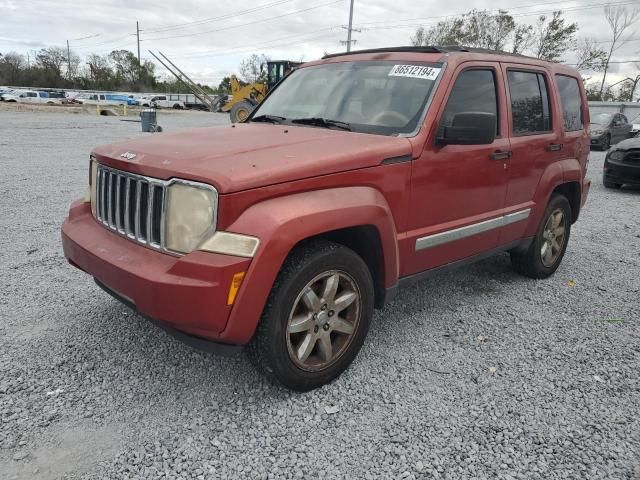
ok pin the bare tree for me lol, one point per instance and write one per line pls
(619, 18)
(522, 38)
(446, 32)
(251, 68)
(553, 36)
(590, 57)
(10, 66)
(52, 59)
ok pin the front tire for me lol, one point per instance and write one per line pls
(548, 247)
(606, 144)
(608, 184)
(316, 318)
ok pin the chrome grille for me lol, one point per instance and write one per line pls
(132, 205)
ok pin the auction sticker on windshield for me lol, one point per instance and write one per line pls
(414, 71)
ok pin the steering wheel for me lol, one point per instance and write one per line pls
(391, 115)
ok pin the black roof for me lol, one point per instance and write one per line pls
(426, 49)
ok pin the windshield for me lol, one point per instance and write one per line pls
(602, 119)
(383, 98)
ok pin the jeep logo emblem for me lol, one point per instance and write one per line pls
(128, 155)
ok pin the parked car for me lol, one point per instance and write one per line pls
(608, 129)
(31, 96)
(5, 90)
(622, 164)
(102, 99)
(635, 127)
(160, 101)
(358, 175)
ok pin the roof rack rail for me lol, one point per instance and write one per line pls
(428, 49)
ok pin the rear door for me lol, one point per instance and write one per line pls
(536, 141)
(458, 190)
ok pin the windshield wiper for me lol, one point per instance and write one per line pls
(322, 122)
(268, 118)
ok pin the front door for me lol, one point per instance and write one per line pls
(458, 190)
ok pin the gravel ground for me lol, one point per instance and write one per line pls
(477, 373)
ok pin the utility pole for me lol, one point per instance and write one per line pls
(138, 38)
(68, 61)
(350, 29)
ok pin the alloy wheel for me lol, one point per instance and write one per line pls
(553, 238)
(323, 320)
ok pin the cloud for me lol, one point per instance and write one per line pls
(288, 29)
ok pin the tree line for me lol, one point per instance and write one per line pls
(548, 38)
(119, 70)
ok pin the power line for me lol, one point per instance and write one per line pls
(262, 20)
(221, 17)
(433, 20)
(262, 45)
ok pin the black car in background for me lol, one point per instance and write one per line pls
(608, 129)
(622, 164)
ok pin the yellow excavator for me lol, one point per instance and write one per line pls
(246, 97)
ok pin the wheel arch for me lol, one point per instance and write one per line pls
(572, 192)
(365, 241)
(357, 217)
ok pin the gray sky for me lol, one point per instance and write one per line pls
(208, 39)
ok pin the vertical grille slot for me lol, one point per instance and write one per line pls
(156, 215)
(142, 210)
(132, 205)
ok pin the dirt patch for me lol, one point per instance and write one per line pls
(70, 450)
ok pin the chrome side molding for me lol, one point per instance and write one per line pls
(470, 230)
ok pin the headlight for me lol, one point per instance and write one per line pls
(616, 155)
(597, 133)
(190, 215)
(231, 244)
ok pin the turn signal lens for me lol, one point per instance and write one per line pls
(236, 281)
(228, 243)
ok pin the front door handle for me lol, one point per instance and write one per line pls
(554, 147)
(501, 155)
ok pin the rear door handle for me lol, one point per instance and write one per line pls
(501, 155)
(554, 147)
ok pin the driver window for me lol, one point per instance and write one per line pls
(474, 91)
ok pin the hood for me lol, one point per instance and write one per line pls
(251, 155)
(627, 144)
(597, 126)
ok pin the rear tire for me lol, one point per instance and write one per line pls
(544, 255)
(316, 318)
(240, 111)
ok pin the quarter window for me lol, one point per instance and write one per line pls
(474, 91)
(530, 106)
(571, 101)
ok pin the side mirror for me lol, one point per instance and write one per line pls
(469, 128)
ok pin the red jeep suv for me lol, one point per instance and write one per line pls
(359, 173)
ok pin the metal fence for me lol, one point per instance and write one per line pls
(629, 109)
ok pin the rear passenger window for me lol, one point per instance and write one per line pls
(529, 103)
(571, 101)
(474, 91)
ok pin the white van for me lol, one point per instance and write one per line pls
(160, 101)
(31, 96)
